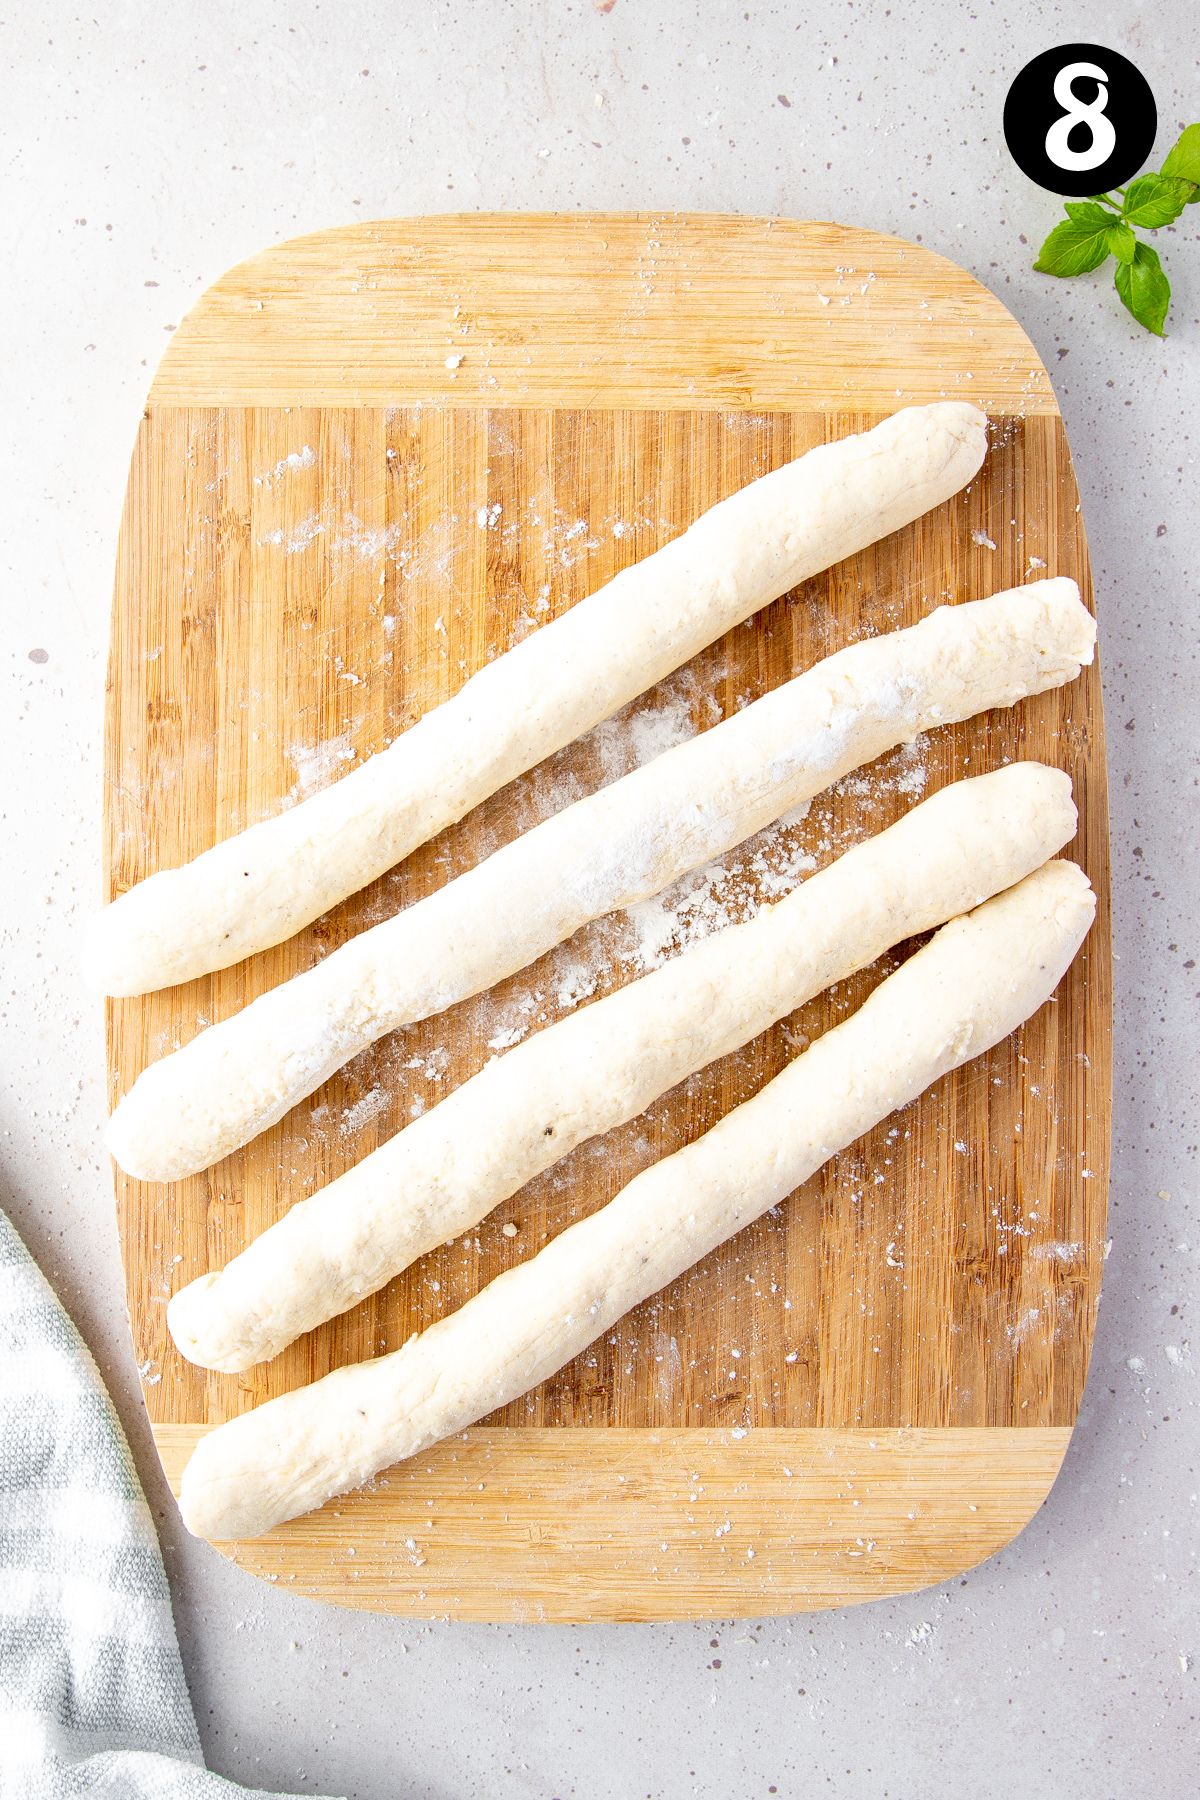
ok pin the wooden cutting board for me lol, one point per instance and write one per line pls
(371, 460)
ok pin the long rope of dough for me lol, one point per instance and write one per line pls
(610, 850)
(972, 984)
(604, 1065)
(258, 888)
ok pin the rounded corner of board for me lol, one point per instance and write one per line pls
(573, 1526)
(838, 317)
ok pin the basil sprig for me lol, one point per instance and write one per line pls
(1096, 229)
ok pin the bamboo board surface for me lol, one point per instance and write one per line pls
(371, 460)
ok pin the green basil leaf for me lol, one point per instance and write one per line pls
(1089, 212)
(1121, 242)
(1184, 160)
(1144, 289)
(1154, 200)
(1074, 247)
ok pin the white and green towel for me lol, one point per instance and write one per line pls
(92, 1695)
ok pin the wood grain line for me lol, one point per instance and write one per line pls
(553, 1526)
(686, 311)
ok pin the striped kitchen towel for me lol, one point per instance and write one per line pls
(92, 1695)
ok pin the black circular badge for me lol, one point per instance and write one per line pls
(1080, 119)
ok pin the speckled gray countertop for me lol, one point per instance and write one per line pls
(146, 150)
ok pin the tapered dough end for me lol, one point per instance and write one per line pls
(122, 1144)
(105, 938)
(1049, 913)
(965, 424)
(126, 1136)
(131, 946)
(186, 1313)
(1045, 786)
(151, 1129)
(952, 422)
(1036, 795)
(942, 446)
(1071, 895)
(244, 1476)
(218, 1502)
(1070, 627)
(124, 950)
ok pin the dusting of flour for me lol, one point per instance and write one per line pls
(316, 765)
(723, 893)
(369, 1107)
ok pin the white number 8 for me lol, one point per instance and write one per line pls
(1103, 138)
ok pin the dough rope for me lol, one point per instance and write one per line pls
(264, 884)
(973, 983)
(599, 1067)
(610, 850)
